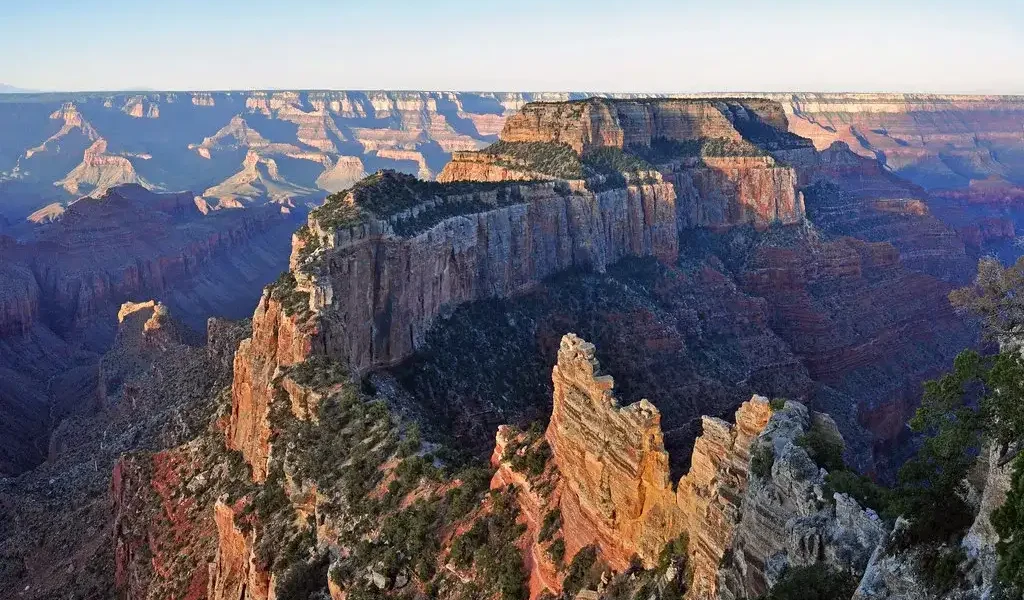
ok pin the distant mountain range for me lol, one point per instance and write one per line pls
(10, 89)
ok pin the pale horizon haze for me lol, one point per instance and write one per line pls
(640, 46)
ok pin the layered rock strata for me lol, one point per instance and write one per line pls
(132, 243)
(278, 341)
(387, 289)
(616, 490)
(741, 186)
(234, 573)
(786, 518)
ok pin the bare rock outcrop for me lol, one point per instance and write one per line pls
(615, 489)
(278, 340)
(234, 574)
(737, 190)
(598, 123)
(612, 461)
(788, 521)
(736, 184)
(385, 290)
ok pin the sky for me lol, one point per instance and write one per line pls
(554, 45)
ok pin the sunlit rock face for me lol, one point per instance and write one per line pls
(616, 489)
(741, 186)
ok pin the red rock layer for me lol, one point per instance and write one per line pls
(737, 190)
(278, 340)
(600, 123)
(613, 463)
(614, 488)
(712, 191)
(534, 505)
(234, 574)
(480, 166)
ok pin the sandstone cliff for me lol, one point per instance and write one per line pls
(612, 461)
(278, 340)
(386, 310)
(613, 488)
(706, 148)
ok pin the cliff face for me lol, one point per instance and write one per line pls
(731, 191)
(141, 522)
(132, 243)
(587, 125)
(19, 298)
(787, 521)
(934, 141)
(234, 574)
(615, 489)
(278, 340)
(612, 461)
(332, 137)
(384, 291)
(710, 494)
(733, 184)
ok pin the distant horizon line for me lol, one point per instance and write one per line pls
(15, 91)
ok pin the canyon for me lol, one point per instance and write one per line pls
(61, 285)
(716, 256)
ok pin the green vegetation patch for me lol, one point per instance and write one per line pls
(663, 150)
(489, 547)
(319, 372)
(976, 406)
(385, 194)
(550, 158)
(529, 454)
(293, 302)
(584, 572)
(336, 213)
(615, 160)
(823, 445)
(761, 462)
(817, 582)
(551, 524)
(507, 195)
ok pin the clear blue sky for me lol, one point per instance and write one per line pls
(629, 45)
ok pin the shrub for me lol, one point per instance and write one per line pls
(859, 487)
(534, 460)
(777, 404)
(1008, 520)
(555, 159)
(385, 194)
(581, 572)
(823, 446)
(489, 545)
(552, 522)
(940, 566)
(817, 582)
(609, 161)
(292, 301)
(336, 213)
(761, 462)
(674, 551)
(319, 372)
(557, 552)
(303, 578)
